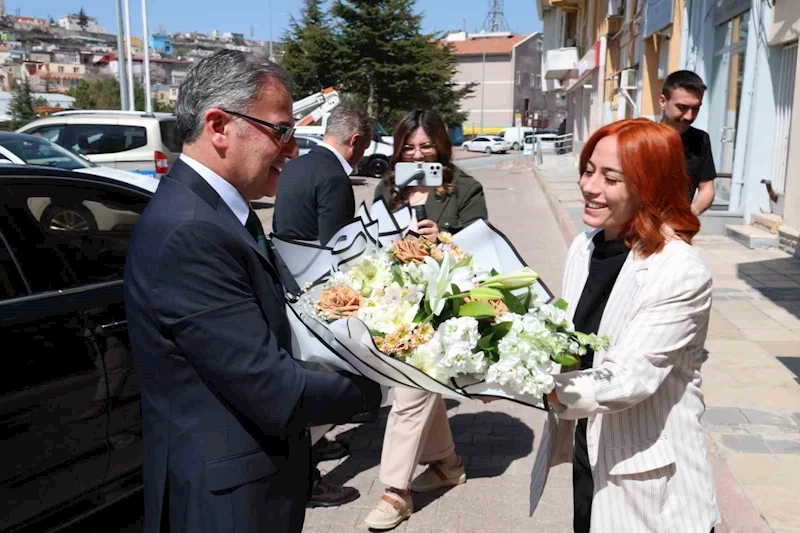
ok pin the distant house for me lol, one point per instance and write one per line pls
(72, 22)
(61, 101)
(27, 23)
(162, 44)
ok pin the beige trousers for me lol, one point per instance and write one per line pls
(417, 430)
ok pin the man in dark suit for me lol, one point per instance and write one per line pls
(315, 198)
(225, 408)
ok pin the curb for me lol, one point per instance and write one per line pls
(737, 512)
(568, 228)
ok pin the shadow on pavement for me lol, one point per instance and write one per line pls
(778, 280)
(488, 442)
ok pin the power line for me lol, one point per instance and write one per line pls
(496, 19)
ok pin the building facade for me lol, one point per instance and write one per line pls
(610, 59)
(72, 22)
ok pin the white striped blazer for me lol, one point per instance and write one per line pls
(642, 396)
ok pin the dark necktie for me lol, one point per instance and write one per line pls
(255, 228)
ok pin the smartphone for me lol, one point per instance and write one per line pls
(427, 174)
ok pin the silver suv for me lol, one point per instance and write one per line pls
(146, 143)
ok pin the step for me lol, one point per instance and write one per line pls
(751, 236)
(766, 221)
(789, 240)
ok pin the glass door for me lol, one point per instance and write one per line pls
(724, 98)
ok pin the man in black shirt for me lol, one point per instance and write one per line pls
(681, 98)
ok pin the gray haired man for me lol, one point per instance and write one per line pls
(315, 197)
(225, 407)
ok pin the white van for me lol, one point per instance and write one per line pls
(516, 136)
(377, 155)
(145, 143)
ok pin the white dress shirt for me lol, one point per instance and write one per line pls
(226, 191)
(345, 165)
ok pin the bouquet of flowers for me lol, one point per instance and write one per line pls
(411, 312)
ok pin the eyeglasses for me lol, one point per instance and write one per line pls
(285, 133)
(426, 149)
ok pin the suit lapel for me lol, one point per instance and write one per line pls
(183, 173)
(434, 207)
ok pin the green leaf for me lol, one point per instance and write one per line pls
(494, 273)
(526, 300)
(561, 304)
(397, 275)
(513, 303)
(463, 263)
(485, 342)
(565, 360)
(501, 330)
(376, 333)
(477, 310)
(421, 314)
(456, 305)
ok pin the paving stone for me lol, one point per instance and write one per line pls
(783, 446)
(745, 443)
(756, 416)
(723, 416)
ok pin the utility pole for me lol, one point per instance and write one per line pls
(148, 98)
(496, 20)
(121, 73)
(131, 95)
(269, 8)
(483, 76)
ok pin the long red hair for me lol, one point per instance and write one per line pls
(651, 156)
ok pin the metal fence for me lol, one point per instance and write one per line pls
(552, 144)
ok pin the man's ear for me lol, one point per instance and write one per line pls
(662, 100)
(219, 127)
(354, 140)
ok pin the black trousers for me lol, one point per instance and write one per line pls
(582, 483)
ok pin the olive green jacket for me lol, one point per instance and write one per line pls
(457, 209)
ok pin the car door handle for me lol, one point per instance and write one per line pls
(111, 327)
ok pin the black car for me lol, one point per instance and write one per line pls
(69, 401)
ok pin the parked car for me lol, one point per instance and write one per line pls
(490, 145)
(515, 136)
(306, 142)
(69, 399)
(145, 143)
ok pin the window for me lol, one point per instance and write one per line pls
(539, 45)
(12, 284)
(61, 69)
(106, 138)
(75, 70)
(533, 81)
(169, 135)
(51, 133)
(519, 78)
(538, 81)
(90, 225)
(42, 152)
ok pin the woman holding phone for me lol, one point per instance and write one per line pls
(418, 429)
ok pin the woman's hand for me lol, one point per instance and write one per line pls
(552, 399)
(428, 229)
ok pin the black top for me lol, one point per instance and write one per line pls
(607, 260)
(699, 161)
(315, 197)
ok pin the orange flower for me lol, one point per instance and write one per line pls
(408, 251)
(340, 302)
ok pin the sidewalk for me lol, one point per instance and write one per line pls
(751, 378)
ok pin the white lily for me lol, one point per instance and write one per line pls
(439, 278)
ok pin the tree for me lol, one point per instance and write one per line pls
(391, 65)
(83, 20)
(312, 51)
(21, 107)
(103, 93)
(40, 101)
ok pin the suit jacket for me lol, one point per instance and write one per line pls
(466, 203)
(642, 396)
(225, 408)
(315, 198)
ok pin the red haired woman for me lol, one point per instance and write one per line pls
(639, 455)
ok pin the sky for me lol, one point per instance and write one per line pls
(239, 16)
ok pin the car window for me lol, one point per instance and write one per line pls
(12, 284)
(51, 133)
(91, 139)
(302, 142)
(498, 139)
(89, 225)
(169, 135)
(42, 152)
(480, 139)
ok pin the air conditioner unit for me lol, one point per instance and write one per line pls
(627, 79)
